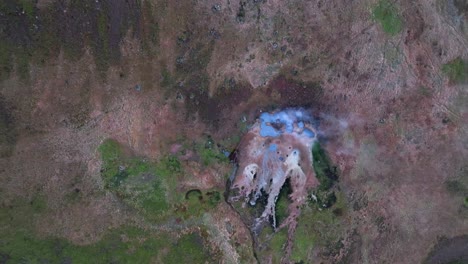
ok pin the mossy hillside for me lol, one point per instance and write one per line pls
(127, 244)
(148, 186)
(387, 15)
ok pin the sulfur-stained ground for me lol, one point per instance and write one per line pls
(117, 117)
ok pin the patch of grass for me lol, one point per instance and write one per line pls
(210, 156)
(456, 70)
(315, 228)
(425, 91)
(196, 203)
(304, 242)
(8, 134)
(147, 186)
(278, 240)
(210, 153)
(6, 65)
(150, 32)
(318, 228)
(386, 13)
(123, 245)
(22, 58)
(281, 208)
(324, 171)
(274, 242)
(102, 52)
(169, 165)
(456, 187)
(167, 79)
(214, 197)
(19, 213)
(188, 249)
(111, 155)
(28, 7)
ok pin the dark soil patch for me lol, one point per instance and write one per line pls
(213, 109)
(99, 24)
(8, 134)
(296, 94)
(28, 34)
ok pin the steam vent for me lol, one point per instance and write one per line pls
(277, 148)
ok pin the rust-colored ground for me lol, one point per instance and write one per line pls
(190, 69)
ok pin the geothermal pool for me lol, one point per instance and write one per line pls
(276, 148)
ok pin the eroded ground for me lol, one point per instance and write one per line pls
(117, 119)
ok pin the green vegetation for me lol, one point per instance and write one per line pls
(145, 185)
(8, 132)
(188, 249)
(386, 13)
(123, 245)
(20, 244)
(111, 154)
(28, 7)
(23, 247)
(281, 208)
(456, 187)
(317, 227)
(274, 242)
(278, 241)
(456, 70)
(320, 222)
(324, 171)
(425, 91)
(210, 152)
(277, 245)
(323, 196)
(167, 79)
(196, 203)
(6, 66)
(102, 52)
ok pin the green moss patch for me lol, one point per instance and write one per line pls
(123, 245)
(456, 70)
(387, 15)
(282, 203)
(197, 202)
(326, 173)
(272, 245)
(210, 153)
(318, 228)
(189, 249)
(146, 185)
(20, 244)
